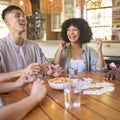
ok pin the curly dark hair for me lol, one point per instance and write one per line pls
(82, 25)
(9, 9)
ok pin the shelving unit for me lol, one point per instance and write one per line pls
(35, 27)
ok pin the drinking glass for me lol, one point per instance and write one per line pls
(72, 94)
(73, 72)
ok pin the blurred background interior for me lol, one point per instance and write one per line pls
(46, 16)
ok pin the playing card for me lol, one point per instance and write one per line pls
(45, 68)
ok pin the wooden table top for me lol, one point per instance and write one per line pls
(93, 107)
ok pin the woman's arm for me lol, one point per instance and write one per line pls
(62, 45)
(101, 62)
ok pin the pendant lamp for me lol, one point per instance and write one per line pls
(50, 6)
(25, 5)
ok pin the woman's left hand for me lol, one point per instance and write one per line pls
(99, 43)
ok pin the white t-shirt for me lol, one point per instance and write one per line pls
(79, 64)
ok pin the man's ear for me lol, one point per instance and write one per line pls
(6, 22)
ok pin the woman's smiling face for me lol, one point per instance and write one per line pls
(73, 33)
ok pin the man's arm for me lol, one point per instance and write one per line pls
(9, 76)
(10, 86)
(33, 68)
(18, 110)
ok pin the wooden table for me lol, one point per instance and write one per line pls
(93, 107)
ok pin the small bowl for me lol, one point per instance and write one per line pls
(58, 82)
(56, 86)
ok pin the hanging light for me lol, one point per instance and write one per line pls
(25, 5)
(50, 6)
(80, 3)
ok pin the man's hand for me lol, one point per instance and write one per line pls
(55, 70)
(113, 74)
(38, 91)
(25, 79)
(33, 68)
(109, 75)
(36, 68)
(44, 68)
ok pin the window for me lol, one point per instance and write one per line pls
(99, 17)
(3, 28)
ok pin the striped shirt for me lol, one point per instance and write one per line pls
(13, 57)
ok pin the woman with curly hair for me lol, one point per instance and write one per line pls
(74, 51)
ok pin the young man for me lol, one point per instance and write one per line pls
(18, 55)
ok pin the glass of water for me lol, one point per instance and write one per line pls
(73, 72)
(72, 94)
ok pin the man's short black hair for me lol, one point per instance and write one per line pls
(9, 9)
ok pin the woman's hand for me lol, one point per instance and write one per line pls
(99, 43)
(62, 45)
